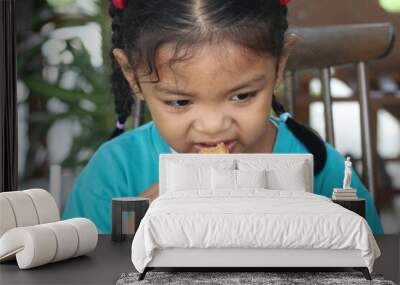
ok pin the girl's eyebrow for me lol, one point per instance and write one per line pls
(167, 90)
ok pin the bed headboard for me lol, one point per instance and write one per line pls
(271, 159)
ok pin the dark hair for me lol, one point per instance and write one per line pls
(143, 26)
(309, 137)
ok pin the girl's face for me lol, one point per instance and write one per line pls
(220, 94)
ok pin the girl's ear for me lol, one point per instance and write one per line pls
(129, 74)
(289, 43)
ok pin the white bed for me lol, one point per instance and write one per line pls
(248, 227)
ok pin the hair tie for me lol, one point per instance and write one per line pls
(284, 2)
(119, 126)
(284, 116)
(119, 4)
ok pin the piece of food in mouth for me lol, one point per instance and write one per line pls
(219, 148)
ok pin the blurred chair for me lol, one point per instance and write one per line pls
(331, 46)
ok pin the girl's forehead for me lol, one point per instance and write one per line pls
(225, 60)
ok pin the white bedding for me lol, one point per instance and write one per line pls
(251, 218)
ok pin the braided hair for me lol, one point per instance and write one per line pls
(119, 85)
(141, 27)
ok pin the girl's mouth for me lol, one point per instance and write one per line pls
(229, 144)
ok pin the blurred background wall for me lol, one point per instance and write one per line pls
(66, 110)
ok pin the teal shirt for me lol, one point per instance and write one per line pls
(128, 164)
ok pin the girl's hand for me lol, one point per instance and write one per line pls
(151, 192)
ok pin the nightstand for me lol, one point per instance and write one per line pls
(126, 205)
(356, 205)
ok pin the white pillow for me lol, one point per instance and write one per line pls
(293, 179)
(251, 178)
(223, 179)
(189, 173)
(181, 177)
(281, 174)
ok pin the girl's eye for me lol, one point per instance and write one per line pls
(177, 103)
(244, 97)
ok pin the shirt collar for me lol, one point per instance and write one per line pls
(282, 143)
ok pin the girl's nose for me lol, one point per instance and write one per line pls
(213, 123)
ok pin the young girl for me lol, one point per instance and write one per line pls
(207, 70)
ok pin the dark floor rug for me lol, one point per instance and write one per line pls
(229, 278)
